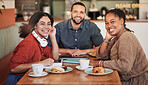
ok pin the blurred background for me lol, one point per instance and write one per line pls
(96, 9)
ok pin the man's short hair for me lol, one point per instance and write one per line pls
(78, 3)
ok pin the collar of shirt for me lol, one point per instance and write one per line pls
(70, 25)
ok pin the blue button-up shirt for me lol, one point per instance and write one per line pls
(87, 36)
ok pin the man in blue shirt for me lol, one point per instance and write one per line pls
(77, 36)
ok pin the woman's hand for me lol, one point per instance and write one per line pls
(94, 63)
(97, 63)
(108, 37)
(52, 32)
(47, 62)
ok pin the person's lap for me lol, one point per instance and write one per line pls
(12, 79)
(139, 80)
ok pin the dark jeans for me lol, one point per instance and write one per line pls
(12, 79)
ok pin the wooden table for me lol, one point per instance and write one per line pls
(74, 77)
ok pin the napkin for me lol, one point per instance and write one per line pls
(54, 64)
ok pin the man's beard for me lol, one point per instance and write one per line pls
(76, 22)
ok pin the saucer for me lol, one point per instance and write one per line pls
(89, 71)
(69, 69)
(79, 68)
(32, 75)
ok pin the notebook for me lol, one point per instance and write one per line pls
(70, 59)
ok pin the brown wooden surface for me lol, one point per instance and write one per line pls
(74, 77)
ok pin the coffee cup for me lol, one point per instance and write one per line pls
(37, 69)
(84, 64)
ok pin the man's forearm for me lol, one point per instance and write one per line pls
(63, 51)
(76, 51)
(92, 50)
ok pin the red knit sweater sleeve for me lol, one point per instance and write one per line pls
(47, 51)
(22, 54)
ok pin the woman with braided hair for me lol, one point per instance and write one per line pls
(123, 50)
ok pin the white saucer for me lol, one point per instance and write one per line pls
(32, 75)
(79, 68)
(69, 69)
(89, 71)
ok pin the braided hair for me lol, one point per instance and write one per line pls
(120, 14)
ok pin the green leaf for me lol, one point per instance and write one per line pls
(3, 6)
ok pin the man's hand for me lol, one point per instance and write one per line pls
(79, 52)
(72, 51)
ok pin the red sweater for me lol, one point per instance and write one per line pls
(29, 51)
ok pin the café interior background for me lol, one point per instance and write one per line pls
(57, 8)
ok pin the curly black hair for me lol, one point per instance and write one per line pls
(78, 3)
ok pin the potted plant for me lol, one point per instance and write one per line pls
(3, 6)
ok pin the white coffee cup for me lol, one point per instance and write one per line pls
(84, 64)
(37, 69)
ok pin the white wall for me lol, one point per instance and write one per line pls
(143, 10)
(8, 4)
(140, 30)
